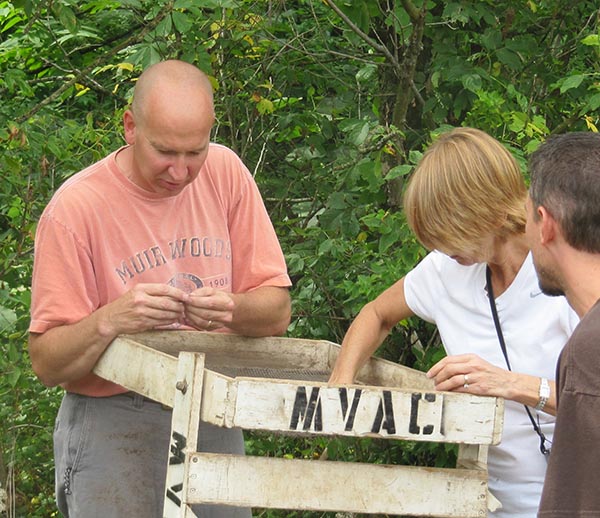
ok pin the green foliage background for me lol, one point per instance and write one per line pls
(329, 103)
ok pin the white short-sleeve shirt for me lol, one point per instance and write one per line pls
(535, 328)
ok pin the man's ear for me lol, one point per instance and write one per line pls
(129, 127)
(548, 225)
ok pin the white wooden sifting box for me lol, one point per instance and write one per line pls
(280, 385)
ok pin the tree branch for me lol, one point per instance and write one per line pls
(365, 37)
(412, 10)
(78, 78)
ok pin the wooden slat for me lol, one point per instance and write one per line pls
(288, 407)
(184, 433)
(231, 350)
(383, 373)
(140, 368)
(474, 456)
(278, 353)
(284, 406)
(340, 486)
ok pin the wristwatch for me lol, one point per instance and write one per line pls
(544, 394)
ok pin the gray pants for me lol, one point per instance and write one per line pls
(111, 457)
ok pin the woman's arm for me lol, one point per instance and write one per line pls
(368, 331)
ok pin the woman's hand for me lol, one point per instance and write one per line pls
(470, 373)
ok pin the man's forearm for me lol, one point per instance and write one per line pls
(68, 352)
(265, 311)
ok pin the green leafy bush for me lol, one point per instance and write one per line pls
(330, 105)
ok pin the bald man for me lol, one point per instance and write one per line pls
(168, 232)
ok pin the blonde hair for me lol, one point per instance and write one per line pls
(466, 187)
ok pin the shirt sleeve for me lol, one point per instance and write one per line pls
(257, 257)
(422, 286)
(63, 286)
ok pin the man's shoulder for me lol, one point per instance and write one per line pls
(591, 320)
(87, 176)
(82, 187)
(221, 152)
(225, 166)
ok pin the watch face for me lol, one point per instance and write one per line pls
(544, 388)
(544, 393)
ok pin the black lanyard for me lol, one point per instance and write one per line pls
(490, 291)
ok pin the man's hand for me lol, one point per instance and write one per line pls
(264, 311)
(68, 352)
(145, 307)
(208, 309)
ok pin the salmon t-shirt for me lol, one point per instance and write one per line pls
(101, 234)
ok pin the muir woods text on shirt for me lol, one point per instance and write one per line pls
(154, 256)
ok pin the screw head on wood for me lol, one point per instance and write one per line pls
(182, 386)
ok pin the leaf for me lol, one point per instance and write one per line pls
(13, 166)
(125, 66)
(184, 4)
(348, 125)
(589, 122)
(337, 200)
(414, 156)
(295, 262)
(135, 4)
(13, 20)
(26, 5)
(491, 39)
(472, 82)
(14, 377)
(358, 12)
(519, 121)
(593, 40)
(571, 82)
(325, 247)
(265, 106)
(387, 240)
(593, 103)
(181, 22)
(366, 74)
(216, 4)
(67, 35)
(370, 171)
(398, 171)
(7, 319)
(66, 16)
(360, 134)
(165, 27)
(509, 58)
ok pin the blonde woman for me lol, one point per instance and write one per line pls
(466, 203)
